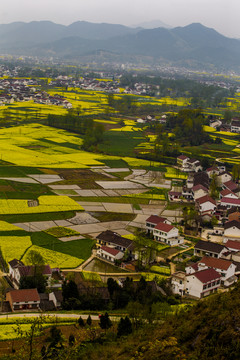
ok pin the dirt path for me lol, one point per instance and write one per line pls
(172, 268)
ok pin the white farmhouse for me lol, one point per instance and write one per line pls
(224, 267)
(230, 202)
(206, 204)
(153, 220)
(228, 194)
(178, 280)
(109, 254)
(202, 283)
(167, 234)
(209, 248)
(199, 191)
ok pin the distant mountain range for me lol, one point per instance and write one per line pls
(193, 46)
(153, 24)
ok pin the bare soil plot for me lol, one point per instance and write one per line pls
(99, 227)
(85, 203)
(88, 228)
(84, 178)
(94, 208)
(63, 223)
(113, 170)
(46, 178)
(119, 185)
(172, 213)
(36, 225)
(99, 192)
(131, 191)
(118, 208)
(140, 220)
(111, 193)
(115, 225)
(83, 218)
(152, 208)
(85, 193)
(64, 187)
(71, 238)
(150, 178)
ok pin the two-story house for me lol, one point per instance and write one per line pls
(167, 234)
(202, 283)
(153, 220)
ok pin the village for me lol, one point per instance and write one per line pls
(211, 257)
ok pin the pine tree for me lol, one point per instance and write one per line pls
(71, 340)
(81, 322)
(105, 323)
(89, 320)
(124, 327)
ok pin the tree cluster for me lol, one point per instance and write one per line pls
(187, 127)
(119, 296)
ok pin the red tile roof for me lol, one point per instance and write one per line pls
(206, 198)
(109, 250)
(155, 219)
(220, 264)
(182, 157)
(230, 201)
(164, 227)
(207, 275)
(226, 192)
(24, 295)
(194, 266)
(231, 244)
(231, 185)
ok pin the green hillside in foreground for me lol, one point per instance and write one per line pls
(209, 330)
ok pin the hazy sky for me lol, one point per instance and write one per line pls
(222, 15)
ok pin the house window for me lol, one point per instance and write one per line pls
(180, 282)
(204, 287)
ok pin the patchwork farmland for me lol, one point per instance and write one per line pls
(56, 197)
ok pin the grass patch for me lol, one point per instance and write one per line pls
(62, 215)
(60, 231)
(118, 163)
(107, 216)
(112, 199)
(80, 248)
(91, 276)
(120, 143)
(17, 171)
